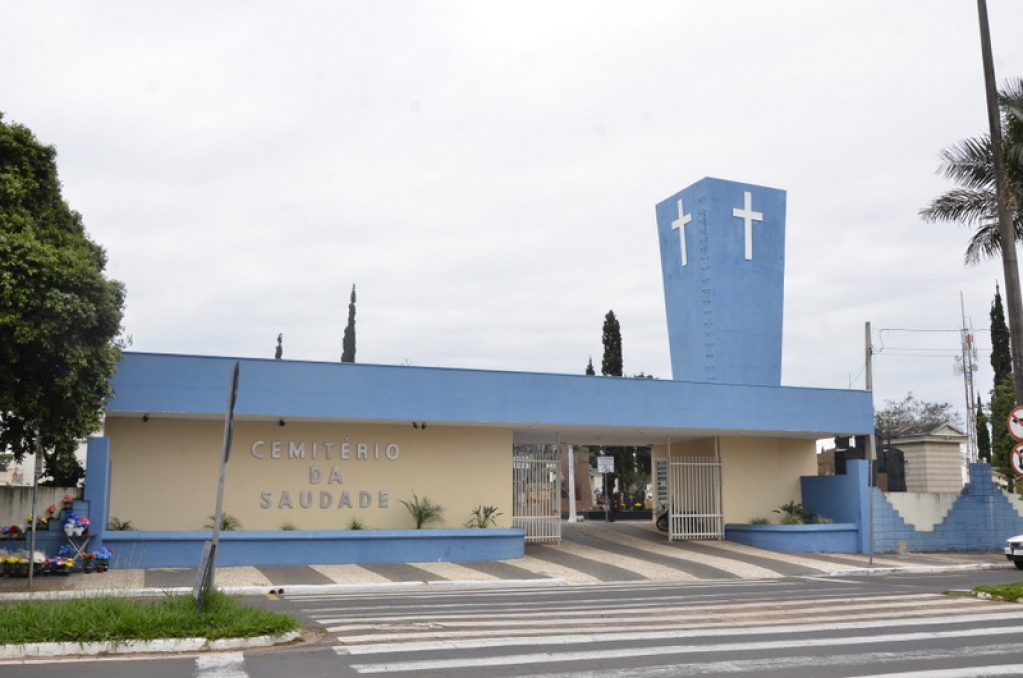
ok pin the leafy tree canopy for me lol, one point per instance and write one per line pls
(910, 413)
(59, 315)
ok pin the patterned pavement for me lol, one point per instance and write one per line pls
(591, 552)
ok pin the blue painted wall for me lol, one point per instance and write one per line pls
(834, 538)
(197, 385)
(981, 519)
(724, 283)
(183, 549)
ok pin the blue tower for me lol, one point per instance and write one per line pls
(723, 261)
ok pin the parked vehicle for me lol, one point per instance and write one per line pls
(1014, 550)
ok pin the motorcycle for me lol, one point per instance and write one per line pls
(662, 519)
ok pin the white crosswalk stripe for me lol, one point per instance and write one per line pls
(644, 639)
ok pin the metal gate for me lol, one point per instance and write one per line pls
(536, 505)
(694, 495)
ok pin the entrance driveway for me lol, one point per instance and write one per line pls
(590, 552)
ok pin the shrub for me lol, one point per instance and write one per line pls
(116, 525)
(424, 512)
(794, 513)
(483, 516)
(228, 523)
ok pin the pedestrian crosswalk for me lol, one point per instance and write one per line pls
(518, 634)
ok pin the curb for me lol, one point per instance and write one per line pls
(162, 646)
(299, 589)
(932, 569)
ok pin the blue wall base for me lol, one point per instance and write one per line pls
(826, 538)
(183, 549)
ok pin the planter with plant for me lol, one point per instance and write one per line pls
(483, 516)
(424, 512)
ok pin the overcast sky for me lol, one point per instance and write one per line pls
(486, 172)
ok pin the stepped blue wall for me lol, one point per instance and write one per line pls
(981, 519)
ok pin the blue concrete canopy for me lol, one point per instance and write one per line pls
(580, 409)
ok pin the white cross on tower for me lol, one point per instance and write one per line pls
(680, 226)
(748, 216)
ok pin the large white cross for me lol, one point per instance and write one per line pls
(748, 216)
(680, 226)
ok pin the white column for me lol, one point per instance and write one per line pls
(571, 485)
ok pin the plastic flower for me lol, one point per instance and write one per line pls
(52, 509)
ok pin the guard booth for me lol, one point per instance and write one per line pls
(536, 501)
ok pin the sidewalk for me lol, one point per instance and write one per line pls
(589, 553)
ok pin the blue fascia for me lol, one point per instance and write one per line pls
(196, 387)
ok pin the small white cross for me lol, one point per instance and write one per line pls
(748, 216)
(680, 226)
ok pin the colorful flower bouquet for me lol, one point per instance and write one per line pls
(103, 556)
(59, 565)
(16, 564)
(75, 525)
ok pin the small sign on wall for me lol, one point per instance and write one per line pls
(605, 464)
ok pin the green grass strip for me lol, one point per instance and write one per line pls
(84, 620)
(1009, 592)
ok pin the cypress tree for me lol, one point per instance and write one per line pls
(983, 434)
(589, 367)
(612, 363)
(1001, 356)
(1003, 395)
(348, 341)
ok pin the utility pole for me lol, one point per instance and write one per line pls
(1006, 232)
(871, 441)
(965, 365)
(869, 385)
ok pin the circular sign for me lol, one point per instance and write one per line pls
(1016, 423)
(1016, 459)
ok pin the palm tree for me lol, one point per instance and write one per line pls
(969, 163)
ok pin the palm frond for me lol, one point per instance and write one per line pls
(961, 205)
(969, 162)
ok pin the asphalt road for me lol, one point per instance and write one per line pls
(798, 627)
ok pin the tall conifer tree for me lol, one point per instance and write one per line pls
(983, 434)
(348, 342)
(612, 363)
(1003, 395)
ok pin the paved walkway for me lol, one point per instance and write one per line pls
(588, 553)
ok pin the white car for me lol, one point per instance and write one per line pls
(1014, 550)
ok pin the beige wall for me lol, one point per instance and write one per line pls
(757, 474)
(164, 473)
(761, 474)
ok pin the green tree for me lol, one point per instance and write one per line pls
(59, 315)
(348, 341)
(970, 164)
(279, 351)
(983, 434)
(912, 413)
(1001, 357)
(1003, 399)
(589, 367)
(612, 337)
